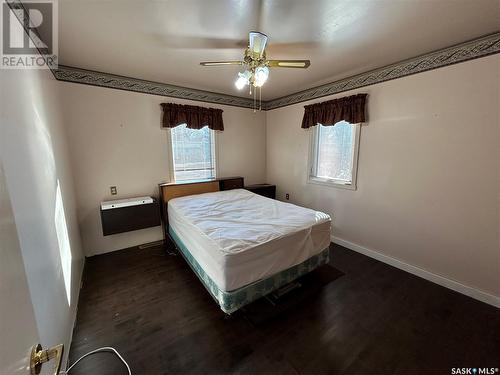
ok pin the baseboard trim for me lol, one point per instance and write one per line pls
(420, 272)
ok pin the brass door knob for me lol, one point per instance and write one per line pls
(40, 356)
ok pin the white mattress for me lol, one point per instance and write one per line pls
(239, 237)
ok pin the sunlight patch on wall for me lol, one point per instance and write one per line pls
(63, 240)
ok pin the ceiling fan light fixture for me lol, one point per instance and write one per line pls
(243, 79)
(261, 75)
(240, 83)
(257, 43)
(257, 66)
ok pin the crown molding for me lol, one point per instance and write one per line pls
(470, 50)
(112, 81)
(473, 49)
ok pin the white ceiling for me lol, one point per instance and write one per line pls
(164, 41)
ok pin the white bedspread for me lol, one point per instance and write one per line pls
(239, 237)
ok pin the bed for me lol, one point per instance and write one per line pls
(242, 246)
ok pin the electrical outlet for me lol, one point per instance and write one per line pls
(287, 196)
(113, 190)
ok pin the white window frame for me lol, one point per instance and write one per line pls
(171, 171)
(313, 159)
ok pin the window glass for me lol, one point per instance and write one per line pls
(193, 153)
(333, 154)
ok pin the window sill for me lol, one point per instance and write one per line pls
(331, 183)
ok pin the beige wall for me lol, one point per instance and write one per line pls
(34, 154)
(429, 172)
(116, 140)
(428, 179)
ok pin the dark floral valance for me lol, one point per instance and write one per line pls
(194, 117)
(349, 108)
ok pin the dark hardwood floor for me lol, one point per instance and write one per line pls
(373, 320)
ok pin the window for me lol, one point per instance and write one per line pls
(193, 153)
(334, 155)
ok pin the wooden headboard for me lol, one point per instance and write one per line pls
(170, 191)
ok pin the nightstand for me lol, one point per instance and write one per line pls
(125, 215)
(229, 183)
(265, 190)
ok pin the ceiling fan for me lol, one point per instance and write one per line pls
(256, 64)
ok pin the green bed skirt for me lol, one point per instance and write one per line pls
(231, 301)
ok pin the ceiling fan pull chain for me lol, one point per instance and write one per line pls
(260, 98)
(254, 100)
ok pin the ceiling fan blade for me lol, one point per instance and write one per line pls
(187, 42)
(221, 63)
(257, 43)
(297, 48)
(303, 64)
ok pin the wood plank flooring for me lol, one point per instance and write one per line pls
(373, 320)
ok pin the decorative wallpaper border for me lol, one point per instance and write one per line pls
(473, 49)
(90, 77)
